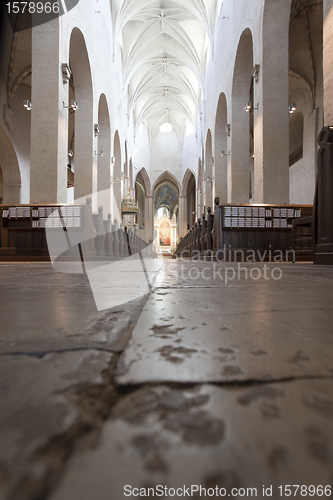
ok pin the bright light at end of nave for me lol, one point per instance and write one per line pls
(166, 127)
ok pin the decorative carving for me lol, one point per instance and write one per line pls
(228, 129)
(97, 129)
(66, 73)
(256, 73)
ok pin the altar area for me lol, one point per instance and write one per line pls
(166, 233)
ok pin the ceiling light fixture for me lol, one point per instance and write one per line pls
(27, 104)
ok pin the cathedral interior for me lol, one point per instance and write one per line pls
(166, 249)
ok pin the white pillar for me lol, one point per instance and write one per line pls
(49, 120)
(271, 126)
(149, 218)
(182, 224)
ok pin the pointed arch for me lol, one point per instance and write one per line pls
(238, 170)
(117, 177)
(84, 149)
(104, 145)
(208, 183)
(189, 194)
(104, 156)
(186, 179)
(146, 180)
(166, 176)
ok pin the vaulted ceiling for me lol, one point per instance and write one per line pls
(165, 45)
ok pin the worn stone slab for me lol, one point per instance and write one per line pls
(126, 280)
(230, 437)
(42, 310)
(247, 330)
(39, 408)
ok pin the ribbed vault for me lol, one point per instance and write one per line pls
(165, 45)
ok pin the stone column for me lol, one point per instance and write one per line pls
(49, 120)
(149, 218)
(271, 120)
(182, 224)
(328, 62)
(209, 193)
(11, 193)
(198, 203)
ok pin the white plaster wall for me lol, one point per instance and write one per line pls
(166, 155)
(190, 156)
(140, 152)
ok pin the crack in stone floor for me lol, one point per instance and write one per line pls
(183, 390)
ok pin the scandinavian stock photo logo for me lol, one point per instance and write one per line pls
(120, 263)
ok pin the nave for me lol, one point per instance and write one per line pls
(212, 379)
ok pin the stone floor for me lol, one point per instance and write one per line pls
(220, 378)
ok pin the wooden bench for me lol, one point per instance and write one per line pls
(302, 234)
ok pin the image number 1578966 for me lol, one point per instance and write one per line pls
(33, 7)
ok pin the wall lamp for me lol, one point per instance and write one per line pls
(252, 154)
(292, 108)
(249, 107)
(102, 153)
(223, 153)
(72, 105)
(70, 153)
(97, 129)
(27, 104)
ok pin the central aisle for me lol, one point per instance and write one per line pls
(224, 385)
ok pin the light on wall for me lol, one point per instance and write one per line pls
(27, 104)
(70, 153)
(72, 105)
(252, 154)
(101, 153)
(97, 129)
(66, 73)
(223, 153)
(292, 108)
(249, 107)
